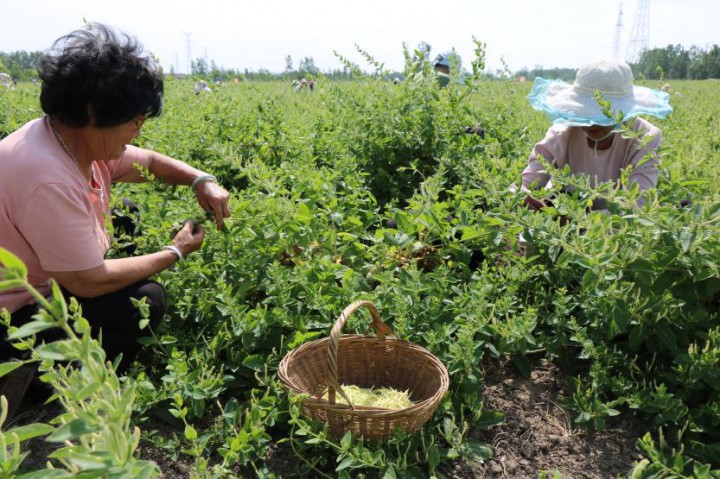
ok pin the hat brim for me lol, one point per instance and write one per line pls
(566, 105)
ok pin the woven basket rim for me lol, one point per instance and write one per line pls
(420, 410)
(321, 343)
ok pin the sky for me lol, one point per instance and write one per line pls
(260, 34)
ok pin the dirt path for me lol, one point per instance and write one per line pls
(538, 434)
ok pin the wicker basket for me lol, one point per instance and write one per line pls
(365, 361)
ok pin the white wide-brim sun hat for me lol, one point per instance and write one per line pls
(576, 105)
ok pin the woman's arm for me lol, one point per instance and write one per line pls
(210, 195)
(169, 170)
(116, 274)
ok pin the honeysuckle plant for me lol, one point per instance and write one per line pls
(92, 432)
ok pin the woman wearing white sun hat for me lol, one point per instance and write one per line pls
(589, 142)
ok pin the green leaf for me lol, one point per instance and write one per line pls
(255, 362)
(639, 469)
(190, 433)
(346, 441)
(57, 303)
(144, 470)
(7, 368)
(304, 215)
(347, 462)
(389, 473)
(147, 340)
(452, 453)
(298, 337)
(87, 391)
(28, 329)
(489, 419)
(477, 450)
(433, 457)
(15, 267)
(65, 350)
(11, 284)
(30, 431)
(470, 384)
(337, 218)
(89, 462)
(583, 417)
(73, 430)
(490, 220)
(679, 463)
(701, 471)
(47, 474)
(666, 337)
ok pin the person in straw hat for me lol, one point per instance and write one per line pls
(587, 140)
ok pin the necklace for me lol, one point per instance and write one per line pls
(69, 153)
(65, 148)
(595, 142)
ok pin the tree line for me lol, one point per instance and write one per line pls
(670, 63)
(20, 65)
(673, 62)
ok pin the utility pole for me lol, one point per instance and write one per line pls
(640, 34)
(618, 32)
(189, 51)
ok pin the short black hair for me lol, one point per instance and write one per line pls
(99, 70)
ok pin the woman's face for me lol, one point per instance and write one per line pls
(597, 132)
(116, 138)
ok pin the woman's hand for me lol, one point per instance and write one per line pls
(213, 197)
(189, 238)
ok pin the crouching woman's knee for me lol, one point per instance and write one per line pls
(155, 298)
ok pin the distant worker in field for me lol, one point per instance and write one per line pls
(56, 174)
(442, 65)
(202, 87)
(303, 84)
(590, 143)
(6, 80)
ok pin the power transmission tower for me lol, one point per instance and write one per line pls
(618, 31)
(189, 51)
(640, 34)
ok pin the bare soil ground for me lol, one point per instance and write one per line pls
(537, 435)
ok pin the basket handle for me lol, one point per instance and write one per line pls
(381, 329)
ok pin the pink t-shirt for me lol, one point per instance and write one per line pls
(565, 145)
(50, 217)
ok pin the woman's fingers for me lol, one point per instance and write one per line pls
(213, 197)
(190, 237)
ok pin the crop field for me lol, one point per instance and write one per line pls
(368, 190)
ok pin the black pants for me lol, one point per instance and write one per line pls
(113, 314)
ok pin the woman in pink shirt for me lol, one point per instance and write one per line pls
(98, 88)
(585, 139)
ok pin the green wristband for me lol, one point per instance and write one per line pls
(202, 178)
